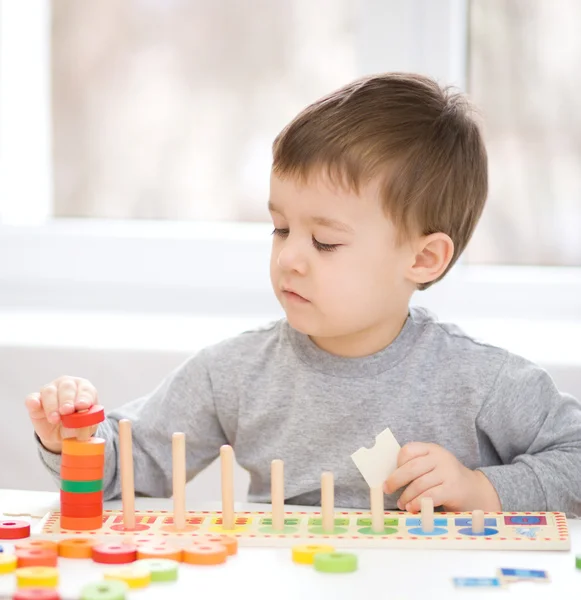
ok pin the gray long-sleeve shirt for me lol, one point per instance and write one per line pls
(272, 393)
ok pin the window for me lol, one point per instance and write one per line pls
(524, 57)
(135, 145)
(167, 110)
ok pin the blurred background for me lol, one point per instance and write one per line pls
(135, 148)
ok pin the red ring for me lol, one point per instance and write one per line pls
(14, 530)
(95, 414)
(114, 554)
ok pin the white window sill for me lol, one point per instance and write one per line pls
(544, 342)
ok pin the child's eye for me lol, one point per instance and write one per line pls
(324, 247)
(280, 232)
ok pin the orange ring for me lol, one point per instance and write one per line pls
(36, 545)
(229, 542)
(205, 554)
(35, 557)
(83, 461)
(82, 511)
(75, 548)
(159, 551)
(92, 447)
(81, 523)
(84, 474)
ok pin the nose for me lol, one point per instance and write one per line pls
(291, 257)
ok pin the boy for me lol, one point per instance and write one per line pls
(376, 189)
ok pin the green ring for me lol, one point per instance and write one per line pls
(578, 561)
(105, 590)
(335, 562)
(161, 569)
(82, 487)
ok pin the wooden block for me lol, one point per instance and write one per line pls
(378, 463)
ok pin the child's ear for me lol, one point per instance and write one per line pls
(432, 255)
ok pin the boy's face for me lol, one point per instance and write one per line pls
(335, 266)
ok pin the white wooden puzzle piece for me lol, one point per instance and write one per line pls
(378, 463)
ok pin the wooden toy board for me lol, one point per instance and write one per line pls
(502, 531)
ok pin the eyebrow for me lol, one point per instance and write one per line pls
(323, 221)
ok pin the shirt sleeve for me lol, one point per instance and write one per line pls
(183, 402)
(535, 431)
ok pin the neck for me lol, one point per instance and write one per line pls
(366, 341)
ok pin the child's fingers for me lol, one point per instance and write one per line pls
(408, 472)
(86, 395)
(50, 403)
(418, 487)
(412, 450)
(436, 493)
(34, 406)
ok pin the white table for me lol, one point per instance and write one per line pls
(264, 573)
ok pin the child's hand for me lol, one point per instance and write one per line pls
(428, 470)
(62, 396)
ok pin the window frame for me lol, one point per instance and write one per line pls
(211, 268)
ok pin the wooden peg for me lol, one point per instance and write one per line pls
(179, 480)
(227, 466)
(427, 508)
(277, 494)
(328, 502)
(127, 483)
(477, 521)
(377, 511)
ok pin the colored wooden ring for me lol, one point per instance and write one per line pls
(205, 554)
(114, 554)
(83, 499)
(335, 562)
(304, 555)
(83, 461)
(81, 523)
(105, 590)
(231, 543)
(82, 487)
(159, 551)
(36, 557)
(161, 569)
(81, 474)
(92, 447)
(8, 563)
(76, 548)
(84, 418)
(81, 510)
(134, 577)
(14, 530)
(578, 562)
(36, 544)
(37, 577)
(36, 594)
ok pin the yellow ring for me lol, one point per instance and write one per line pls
(134, 577)
(37, 577)
(7, 563)
(305, 555)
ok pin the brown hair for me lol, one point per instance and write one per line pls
(418, 139)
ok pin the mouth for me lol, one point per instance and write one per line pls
(293, 296)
